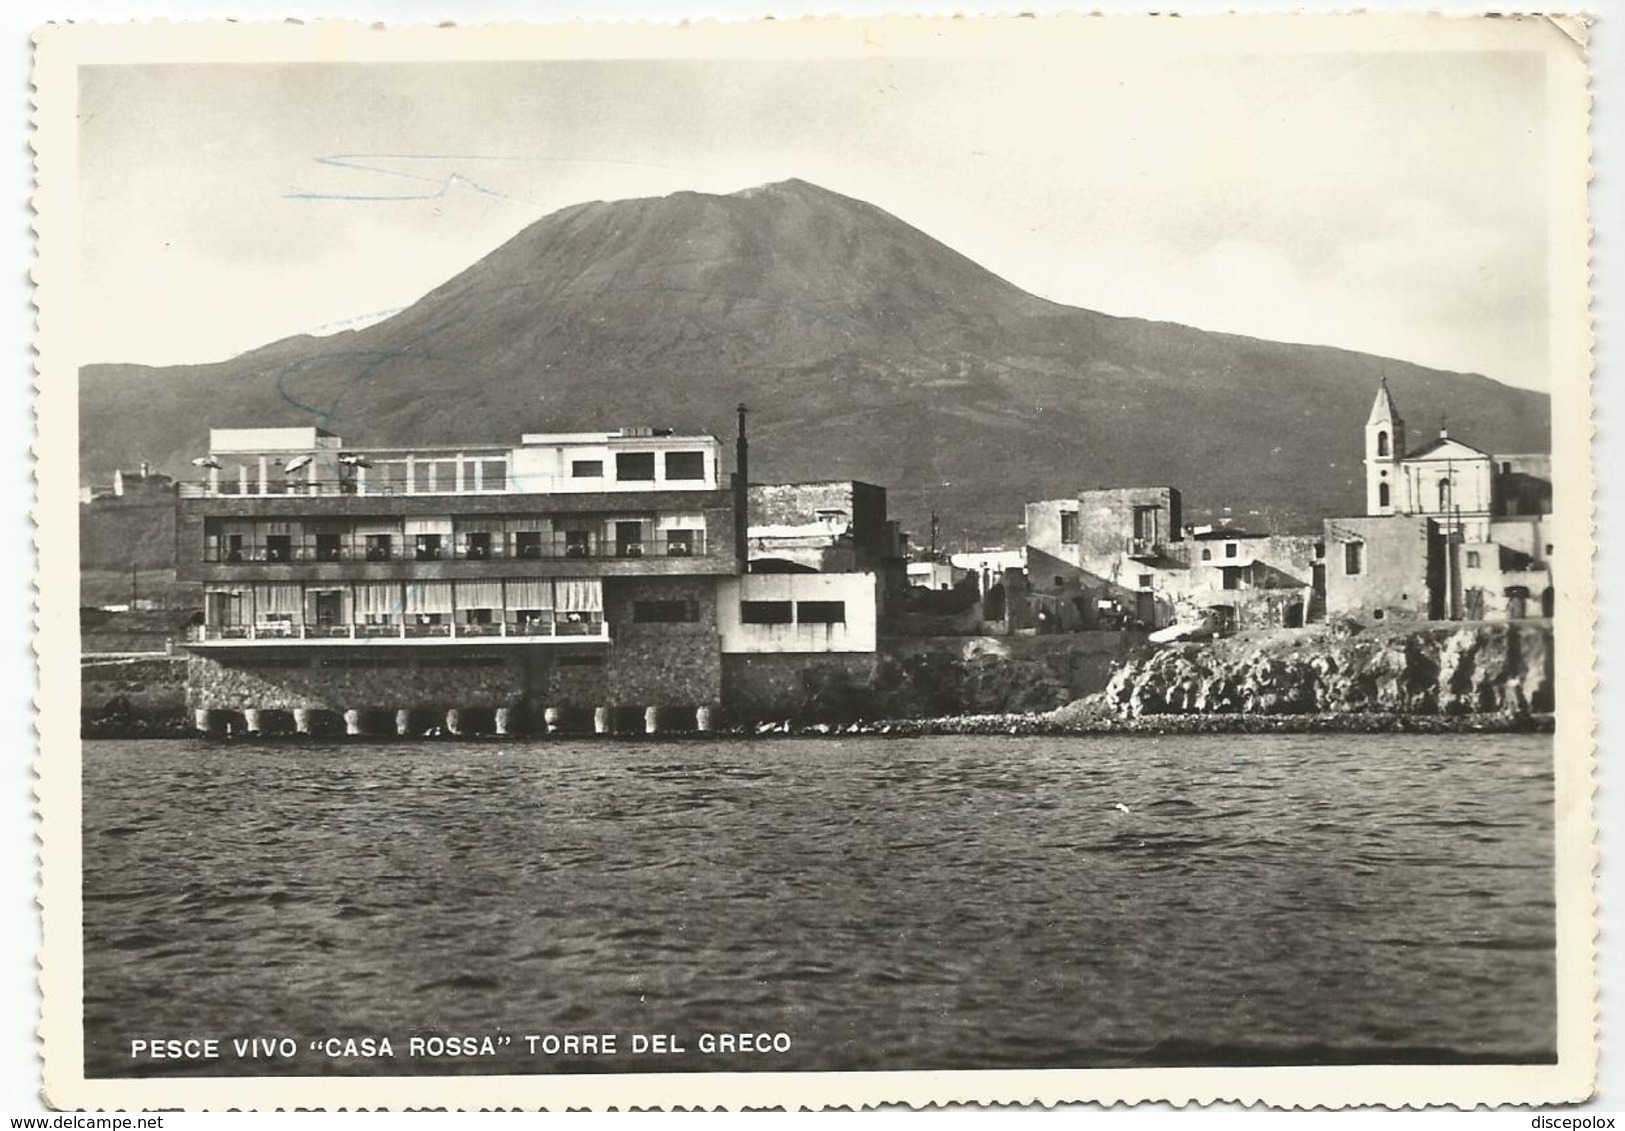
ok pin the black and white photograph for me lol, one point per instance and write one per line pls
(841, 561)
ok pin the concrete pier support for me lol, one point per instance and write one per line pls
(253, 721)
(403, 722)
(454, 721)
(502, 718)
(208, 722)
(704, 720)
(651, 720)
(601, 717)
(352, 722)
(553, 719)
(301, 720)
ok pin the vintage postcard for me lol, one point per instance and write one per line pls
(815, 562)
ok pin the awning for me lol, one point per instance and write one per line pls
(279, 599)
(529, 594)
(480, 595)
(415, 526)
(680, 522)
(428, 597)
(377, 598)
(580, 594)
(366, 526)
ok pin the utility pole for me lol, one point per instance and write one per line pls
(134, 574)
(935, 523)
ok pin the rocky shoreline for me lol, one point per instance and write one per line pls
(1339, 678)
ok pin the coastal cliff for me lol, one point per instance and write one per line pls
(1342, 668)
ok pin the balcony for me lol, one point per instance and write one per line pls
(541, 631)
(515, 547)
(1143, 549)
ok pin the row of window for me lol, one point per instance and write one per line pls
(639, 467)
(1147, 525)
(792, 612)
(242, 541)
(540, 604)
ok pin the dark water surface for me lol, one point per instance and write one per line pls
(915, 903)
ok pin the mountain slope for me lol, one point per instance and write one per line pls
(863, 347)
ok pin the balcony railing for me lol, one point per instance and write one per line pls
(1144, 548)
(589, 627)
(513, 548)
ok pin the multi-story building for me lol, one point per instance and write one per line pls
(571, 572)
(575, 579)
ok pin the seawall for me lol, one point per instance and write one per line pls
(1486, 675)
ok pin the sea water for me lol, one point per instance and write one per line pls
(871, 903)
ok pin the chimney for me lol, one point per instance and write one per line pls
(742, 494)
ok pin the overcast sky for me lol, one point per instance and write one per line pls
(1394, 204)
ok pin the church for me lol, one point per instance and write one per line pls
(1450, 532)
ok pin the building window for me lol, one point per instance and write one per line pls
(577, 544)
(1472, 559)
(1353, 558)
(479, 545)
(629, 539)
(1444, 495)
(379, 547)
(1232, 577)
(427, 548)
(1207, 554)
(278, 548)
(1320, 549)
(685, 465)
(1548, 549)
(821, 612)
(328, 548)
(1069, 526)
(1229, 549)
(1145, 524)
(528, 544)
(1382, 443)
(680, 543)
(765, 612)
(665, 612)
(1145, 581)
(635, 467)
(1506, 469)
(1377, 614)
(1382, 494)
(586, 469)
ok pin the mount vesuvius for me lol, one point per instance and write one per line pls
(864, 348)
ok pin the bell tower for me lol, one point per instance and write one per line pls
(1384, 445)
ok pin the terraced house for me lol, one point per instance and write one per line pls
(571, 580)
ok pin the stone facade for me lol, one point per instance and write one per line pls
(325, 680)
(773, 685)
